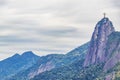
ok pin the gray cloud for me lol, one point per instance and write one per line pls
(60, 32)
(15, 39)
(2, 2)
(116, 3)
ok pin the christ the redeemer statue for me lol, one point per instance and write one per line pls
(104, 15)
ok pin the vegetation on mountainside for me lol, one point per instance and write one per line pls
(72, 72)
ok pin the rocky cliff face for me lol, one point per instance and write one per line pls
(42, 68)
(97, 49)
(112, 51)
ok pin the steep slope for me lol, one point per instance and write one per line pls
(16, 63)
(96, 52)
(52, 61)
(111, 68)
(113, 48)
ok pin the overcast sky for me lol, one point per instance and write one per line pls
(51, 26)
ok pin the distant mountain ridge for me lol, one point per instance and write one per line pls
(17, 63)
(52, 61)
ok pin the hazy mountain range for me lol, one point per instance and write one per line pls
(97, 59)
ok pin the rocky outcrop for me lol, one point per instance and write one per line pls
(43, 67)
(112, 51)
(97, 48)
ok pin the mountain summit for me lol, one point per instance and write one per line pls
(17, 63)
(96, 52)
